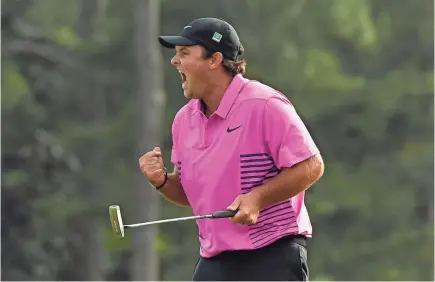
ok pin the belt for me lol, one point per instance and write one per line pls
(298, 239)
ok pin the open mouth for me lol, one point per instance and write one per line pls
(183, 78)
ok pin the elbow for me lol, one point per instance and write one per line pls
(318, 168)
(315, 168)
(184, 204)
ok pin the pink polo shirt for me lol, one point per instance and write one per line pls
(254, 133)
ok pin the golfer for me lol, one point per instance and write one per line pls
(238, 144)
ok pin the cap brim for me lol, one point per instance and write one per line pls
(172, 41)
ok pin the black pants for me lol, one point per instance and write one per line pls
(283, 260)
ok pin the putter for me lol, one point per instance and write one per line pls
(118, 227)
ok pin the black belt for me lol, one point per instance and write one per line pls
(298, 239)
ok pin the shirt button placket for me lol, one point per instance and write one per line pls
(208, 132)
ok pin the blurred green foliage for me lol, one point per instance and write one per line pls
(359, 72)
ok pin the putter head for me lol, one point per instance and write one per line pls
(116, 221)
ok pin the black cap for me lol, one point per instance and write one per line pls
(214, 34)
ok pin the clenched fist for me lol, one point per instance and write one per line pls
(151, 165)
(248, 207)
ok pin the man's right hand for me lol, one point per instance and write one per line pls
(152, 166)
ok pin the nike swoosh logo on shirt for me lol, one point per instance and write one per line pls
(232, 129)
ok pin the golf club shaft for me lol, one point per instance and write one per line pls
(168, 220)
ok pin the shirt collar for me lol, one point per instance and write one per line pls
(230, 95)
(228, 99)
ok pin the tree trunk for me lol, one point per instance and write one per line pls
(91, 252)
(151, 100)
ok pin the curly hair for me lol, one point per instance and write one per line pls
(230, 66)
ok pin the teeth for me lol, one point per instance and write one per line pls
(183, 76)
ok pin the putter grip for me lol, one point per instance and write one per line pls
(222, 214)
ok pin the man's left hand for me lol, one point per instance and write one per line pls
(248, 209)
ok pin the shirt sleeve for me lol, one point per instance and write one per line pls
(287, 137)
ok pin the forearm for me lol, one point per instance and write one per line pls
(173, 190)
(290, 182)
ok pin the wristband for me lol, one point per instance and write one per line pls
(164, 182)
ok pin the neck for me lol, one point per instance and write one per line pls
(215, 94)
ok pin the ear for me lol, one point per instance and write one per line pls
(215, 60)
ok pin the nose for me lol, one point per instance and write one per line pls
(175, 60)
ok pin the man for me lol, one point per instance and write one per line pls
(238, 145)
